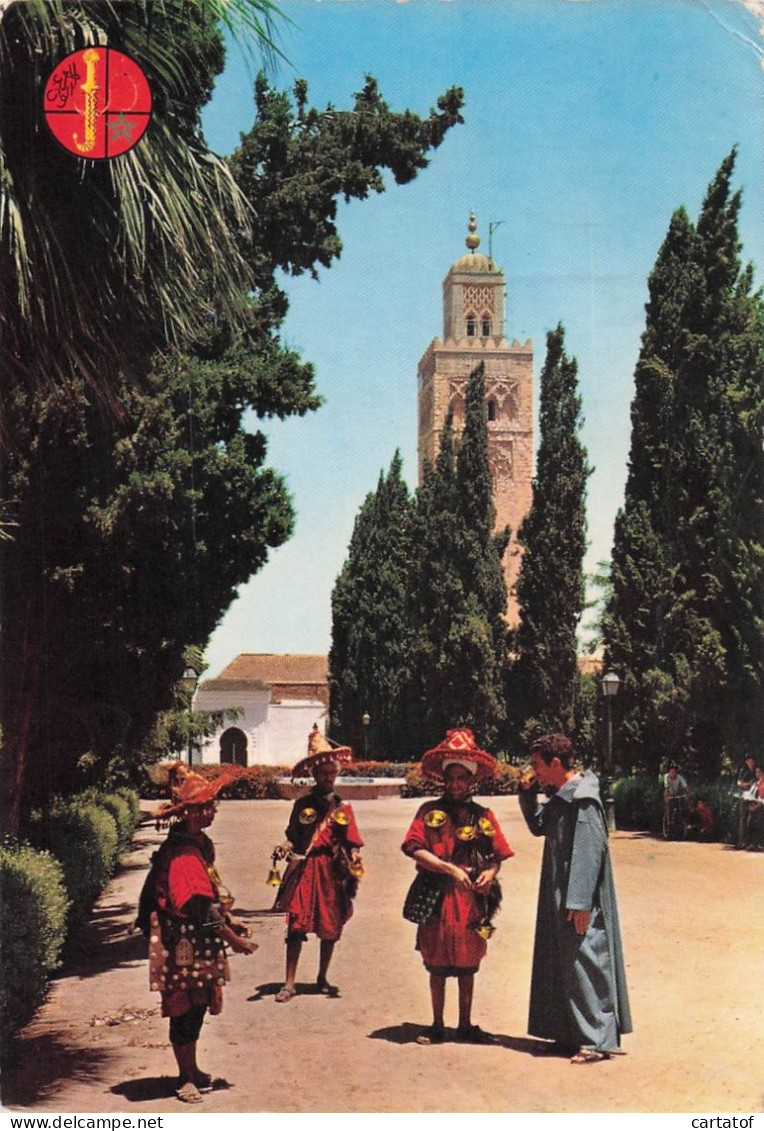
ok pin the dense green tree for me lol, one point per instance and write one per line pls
(297, 162)
(418, 631)
(368, 661)
(544, 681)
(457, 593)
(132, 540)
(683, 626)
(135, 528)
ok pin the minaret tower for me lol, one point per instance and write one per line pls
(473, 331)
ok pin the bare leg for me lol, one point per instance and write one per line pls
(288, 990)
(185, 1055)
(466, 986)
(327, 950)
(293, 950)
(187, 1090)
(438, 997)
(434, 1035)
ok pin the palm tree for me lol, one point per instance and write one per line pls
(103, 262)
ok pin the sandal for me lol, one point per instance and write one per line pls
(286, 993)
(188, 1093)
(474, 1035)
(204, 1082)
(327, 988)
(589, 1056)
(432, 1036)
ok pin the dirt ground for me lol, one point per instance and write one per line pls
(692, 930)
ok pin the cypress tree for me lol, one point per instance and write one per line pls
(544, 679)
(457, 594)
(644, 624)
(684, 622)
(368, 670)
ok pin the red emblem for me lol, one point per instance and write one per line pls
(97, 103)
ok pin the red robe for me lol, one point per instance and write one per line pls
(186, 964)
(448, 943)
(312, 893)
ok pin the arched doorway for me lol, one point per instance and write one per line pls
(233, 747)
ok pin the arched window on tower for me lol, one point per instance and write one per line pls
(485, 326)
(492, 409)
(471, 326)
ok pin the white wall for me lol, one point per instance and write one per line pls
(276, 733)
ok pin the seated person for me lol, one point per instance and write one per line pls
(701, 818)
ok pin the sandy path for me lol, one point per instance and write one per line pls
(693, 933)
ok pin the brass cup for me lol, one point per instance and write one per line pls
(528, 778)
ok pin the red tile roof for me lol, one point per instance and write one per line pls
(272, 667)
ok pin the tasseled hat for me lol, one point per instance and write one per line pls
(458, 747)
(321, 752)
(192, 790)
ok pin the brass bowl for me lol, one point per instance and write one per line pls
(466, 832)
(308, 816)
(435, 818)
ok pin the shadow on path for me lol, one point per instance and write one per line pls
(304, 989)
(45, 1065)
(406, 1033)
(104, 944)
(147, 1088)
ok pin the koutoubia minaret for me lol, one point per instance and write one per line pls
(473, 331)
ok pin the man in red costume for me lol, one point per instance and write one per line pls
(322, 845)
(460, 845)
(186, 913)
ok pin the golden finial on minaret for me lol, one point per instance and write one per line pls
(473, 239)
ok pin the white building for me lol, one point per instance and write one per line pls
(279, 697)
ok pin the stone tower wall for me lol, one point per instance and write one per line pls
(443, 374)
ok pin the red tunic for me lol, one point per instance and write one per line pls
(448, 944)
(186, 964)
(313, 894)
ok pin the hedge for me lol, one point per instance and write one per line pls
(257, 782)
(639, 805)
(83, 837)
(134, 803)
(33, 913)
(122, 813)
(503, 782)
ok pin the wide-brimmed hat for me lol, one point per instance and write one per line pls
(458, 746)
(192, 790)
(321, 752)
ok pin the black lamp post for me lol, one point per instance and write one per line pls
(610, 685)
(190, 680)
(365, 719)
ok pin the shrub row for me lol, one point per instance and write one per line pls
(257, 782)
(33, 910)
(88, 834)
(639, 805)
(503, 782)
(373, 769)
(47, 888)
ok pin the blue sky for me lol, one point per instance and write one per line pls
(587, 122)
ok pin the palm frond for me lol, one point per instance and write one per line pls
(98, 259)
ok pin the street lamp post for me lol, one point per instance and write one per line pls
(610, 684)
(365, 719)
(190, 680)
